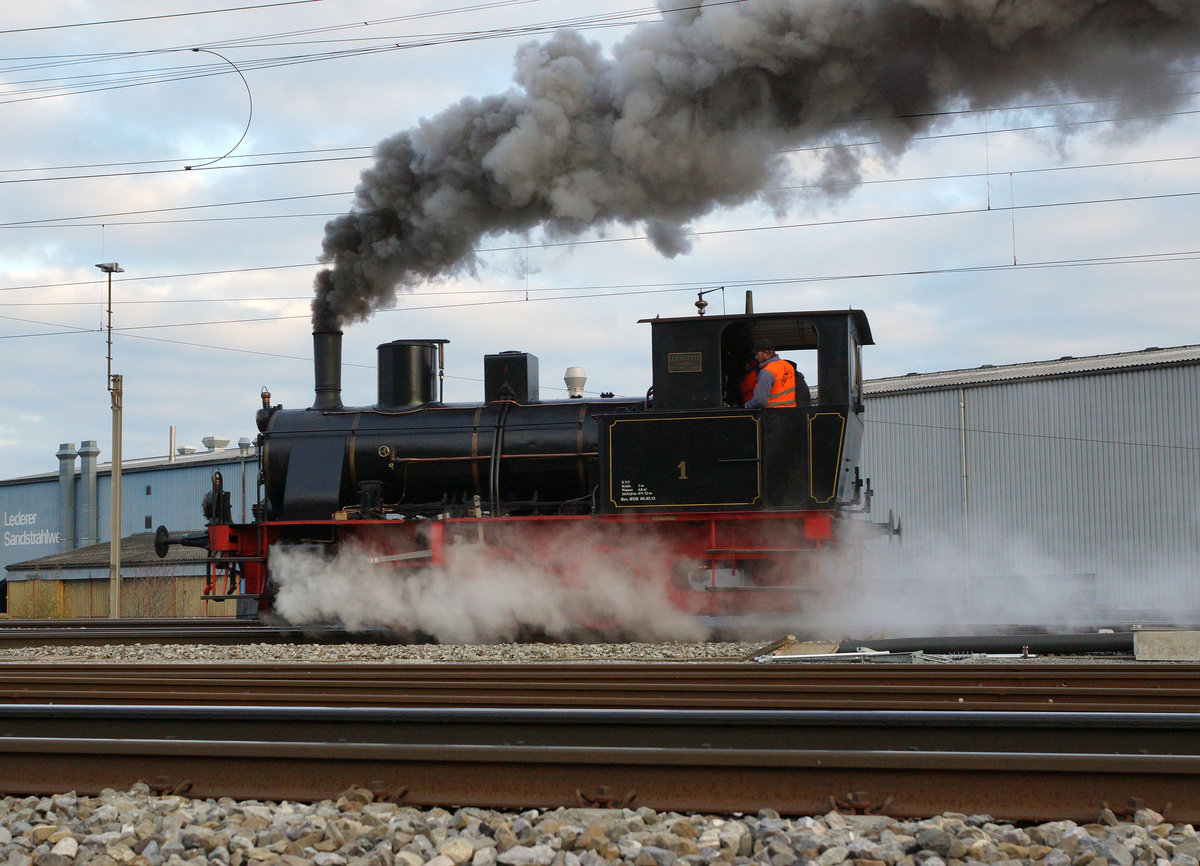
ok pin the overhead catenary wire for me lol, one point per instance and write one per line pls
(1143, 258)
(763, 228)
(591, 292)
(179, 161)
(143, 18)
(109, 217)
(47, 89)
(812, 148)
(475, 7)
(1025, 434)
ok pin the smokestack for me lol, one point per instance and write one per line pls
(89, 506)
(66, 496)
(327, 369)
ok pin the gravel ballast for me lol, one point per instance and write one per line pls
(385, 653)
(141, 829)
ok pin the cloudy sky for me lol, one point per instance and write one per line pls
(204, 147)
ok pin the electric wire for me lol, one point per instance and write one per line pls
(109, 217)
(38, 89)
(698, 234)
(143, 18)
(179, 161)
(813, 148)
(592, 292)
(1024, 434)
(800, 225)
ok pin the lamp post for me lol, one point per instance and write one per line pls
(116, 391)
(243, 452)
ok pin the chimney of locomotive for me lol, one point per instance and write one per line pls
(327, 368)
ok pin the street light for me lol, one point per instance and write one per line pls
(115, 389)
(110, 268)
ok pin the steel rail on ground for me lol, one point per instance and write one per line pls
(1135, 687)
(1015, 766)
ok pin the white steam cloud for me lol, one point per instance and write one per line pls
(696, 111)
(928, 588)
(481, 596)
(870, 588)
(937, 585)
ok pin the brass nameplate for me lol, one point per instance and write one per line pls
(683, 362)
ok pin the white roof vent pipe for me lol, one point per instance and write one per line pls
(575, 379)
(185, 450)
(214, 443)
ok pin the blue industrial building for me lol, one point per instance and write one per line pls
(57, 526)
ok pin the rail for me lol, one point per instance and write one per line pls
(1019, 766)
(1130, 687)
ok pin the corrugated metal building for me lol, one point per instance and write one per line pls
(57, 525)
(1080, 471)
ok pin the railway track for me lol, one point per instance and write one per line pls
(100, 632)
(1018, 741)
(1019, 766)
(1117, 687)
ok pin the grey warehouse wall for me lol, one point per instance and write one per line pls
(1076, 491)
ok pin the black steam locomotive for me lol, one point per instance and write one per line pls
(731, 501)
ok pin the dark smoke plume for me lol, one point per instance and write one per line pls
(691, 113)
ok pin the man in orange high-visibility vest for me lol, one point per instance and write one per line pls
(749, 381)
(776, 387)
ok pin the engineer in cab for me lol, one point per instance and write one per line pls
(780, 385)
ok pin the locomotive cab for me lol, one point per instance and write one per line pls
(699, 361)
(696, 449)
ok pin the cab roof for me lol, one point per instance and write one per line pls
(786, 330)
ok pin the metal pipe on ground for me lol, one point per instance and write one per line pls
(1041, 644)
